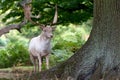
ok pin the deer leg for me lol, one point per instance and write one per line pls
(35, 65)
(47, 61)
(33, 62)
(39, 63)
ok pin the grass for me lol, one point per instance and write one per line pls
(22, 68)
(15, 72)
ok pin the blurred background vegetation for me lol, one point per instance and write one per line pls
(75, 23)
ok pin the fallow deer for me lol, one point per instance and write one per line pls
(40, 46)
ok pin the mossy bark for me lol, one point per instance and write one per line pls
(99, 58)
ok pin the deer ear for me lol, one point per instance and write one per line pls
(53, 28)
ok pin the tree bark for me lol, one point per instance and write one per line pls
(99, 58)
(18, 26)
(6, 29)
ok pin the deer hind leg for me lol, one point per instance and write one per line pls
(39, 63)
(47, 61)
(33, 60)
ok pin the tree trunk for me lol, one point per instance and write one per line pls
(99, 58)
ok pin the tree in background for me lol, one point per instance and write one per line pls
(69, 11)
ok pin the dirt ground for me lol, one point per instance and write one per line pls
(14, 73)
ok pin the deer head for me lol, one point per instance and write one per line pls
(47, 31)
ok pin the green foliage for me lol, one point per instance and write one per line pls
(2, 43)
(14, 54)
(66, 41)
(69, 11)
(29, 32)
(68, 38)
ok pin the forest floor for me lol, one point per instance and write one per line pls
(15, 72)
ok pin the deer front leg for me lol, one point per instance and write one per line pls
(47, 61)
(39, 63)
(33, 62)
